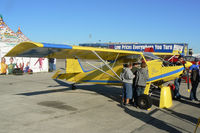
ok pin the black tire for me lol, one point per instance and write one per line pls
(73, 87)
(144, 101)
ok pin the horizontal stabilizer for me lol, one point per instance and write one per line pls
(56, 74)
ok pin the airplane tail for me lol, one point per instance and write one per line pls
(56, 74)
(81, 71)
(73, 66)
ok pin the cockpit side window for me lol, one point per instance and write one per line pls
(149, 56)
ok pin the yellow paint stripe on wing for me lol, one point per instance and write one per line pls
(24, 46)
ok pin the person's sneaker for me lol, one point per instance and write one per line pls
(122, 103)
(196, 99)
(191, 99)
(135, 105)
(128, 104)
(177, 98)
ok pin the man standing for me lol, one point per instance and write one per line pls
(51, 64)
(141, 79)
(194, 69)
(177, 81)
(134, 70)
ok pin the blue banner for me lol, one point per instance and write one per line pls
(164, 48)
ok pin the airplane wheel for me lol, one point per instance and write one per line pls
(73, 87)
(144, 102)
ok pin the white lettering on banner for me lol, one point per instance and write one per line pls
(158, 47)
(126, 47)
(178, 47)
(167, 47)
(142, 47)
(117, 47)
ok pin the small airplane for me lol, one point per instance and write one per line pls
(101, 65)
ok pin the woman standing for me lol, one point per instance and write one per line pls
(127, 78)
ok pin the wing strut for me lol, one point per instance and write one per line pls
(115, 60)
(106, 64)
(101, 70)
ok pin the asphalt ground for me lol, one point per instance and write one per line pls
(38, 104)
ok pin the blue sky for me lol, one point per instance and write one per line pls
(81, 21)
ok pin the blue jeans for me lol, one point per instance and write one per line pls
(51, 67)
(127, 91)
(140, 90)
(194, 90)
(177, 83)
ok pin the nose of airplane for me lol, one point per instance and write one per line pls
(188, 64)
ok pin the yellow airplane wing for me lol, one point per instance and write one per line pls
(33, 49)
(75, 71)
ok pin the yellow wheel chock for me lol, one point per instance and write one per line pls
(198, 125)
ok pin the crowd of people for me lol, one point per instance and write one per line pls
(134, 81)
(194, 78)
(134, 77)
(9, 68)
(23, 66)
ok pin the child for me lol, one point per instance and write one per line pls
(4, 66)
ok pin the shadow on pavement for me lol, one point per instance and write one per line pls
(111, 92)
(181, 116)
(186, 100)
(49, 91)
(43, 92)
(148, 119)
(114, 93)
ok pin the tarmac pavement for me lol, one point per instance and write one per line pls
(38, 104)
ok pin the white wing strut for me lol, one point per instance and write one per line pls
(106, 64)
(101, 70)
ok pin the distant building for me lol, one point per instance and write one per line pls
(100, 45)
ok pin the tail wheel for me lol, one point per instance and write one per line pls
(73, 87)
(144, 102)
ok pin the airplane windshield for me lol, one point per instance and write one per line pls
(149, 56)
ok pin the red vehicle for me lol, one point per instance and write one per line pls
(191, 59)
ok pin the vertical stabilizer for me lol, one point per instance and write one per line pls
(73, 66)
